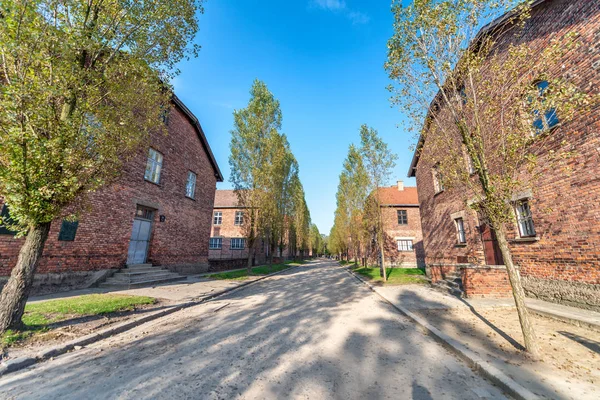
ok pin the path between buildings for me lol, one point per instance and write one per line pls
(489, 331)
(311, 332)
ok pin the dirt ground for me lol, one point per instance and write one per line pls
(72, 328)
(571, 355)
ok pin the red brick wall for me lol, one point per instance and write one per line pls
(412, 230)
(440, 272)
(486, 282)
(105, 225)
(565, 207)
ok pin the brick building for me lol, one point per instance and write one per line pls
(159, 211)
(556, 231)
(228, 245)
(402, 226)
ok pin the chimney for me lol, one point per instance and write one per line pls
(400, 185)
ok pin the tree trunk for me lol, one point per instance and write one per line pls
(382, 266)
(531, 342)
(15, 292)
(250, 254)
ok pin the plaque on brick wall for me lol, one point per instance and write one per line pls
(68, 230)
(162, 218)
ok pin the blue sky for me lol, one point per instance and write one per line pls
(323, 60)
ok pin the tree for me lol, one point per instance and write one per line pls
(255, 130)
(379, 162)
(316, 241)
(486, 115)
(83, 85)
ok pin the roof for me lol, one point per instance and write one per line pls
(391, 196)
(201, 136)
(486, 30)
(225, 199)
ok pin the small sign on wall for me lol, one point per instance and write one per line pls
(162, 218)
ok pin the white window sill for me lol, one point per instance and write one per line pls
(526, 239)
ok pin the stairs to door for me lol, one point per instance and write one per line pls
(452, 284)
(140, 275)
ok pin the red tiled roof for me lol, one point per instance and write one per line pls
(391, 195)
(225, 198)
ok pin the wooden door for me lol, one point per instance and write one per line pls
(491, 250)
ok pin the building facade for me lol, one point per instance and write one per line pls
(228, 247)
(402, 226)
(555, 235)
(159, 211)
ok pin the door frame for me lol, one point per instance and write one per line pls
(141, 213)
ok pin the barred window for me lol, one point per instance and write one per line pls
(190, 186)
(525, 219)
(217, 218)
(405, 245)
(239, 217)
(402, 217)
(153, 166)
(238, 243)
(460, 230)
(215, 243)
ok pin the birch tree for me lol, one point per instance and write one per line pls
(83, 85)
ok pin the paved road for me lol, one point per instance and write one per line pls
(311, 333)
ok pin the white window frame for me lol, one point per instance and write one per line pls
(190, 185)
(237, 244)
(461, 233)
(153, 166)
(437, 180)
(215, 243)
(524, 219)
(239, 218)
(217, 218)
(405, 245)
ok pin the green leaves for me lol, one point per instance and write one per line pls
(82, 89)
(264, 173)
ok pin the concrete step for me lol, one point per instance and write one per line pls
(452, 288)
(126, 272)
(134, 266)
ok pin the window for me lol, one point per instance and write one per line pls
(405, 245)
(190, 186)
(215, 243)
(5, 217)
(460, 230)
(546, 119)
(68, 230)
(237, 243)
(239, 217)
(402, 217)
(217, 218)
(153, 166)
(438, 183)
(524, 219)
(468, 160)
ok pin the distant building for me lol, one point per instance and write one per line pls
(159, 212)
(228, 243)
(402, 226)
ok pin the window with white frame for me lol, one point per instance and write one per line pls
(190, 185)
(153, 166)
(405, 245)
(460, 230)
(215, 243)
(217, 218)
(524, 219)
(402, 217)
(239, 218)
(238, 243)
